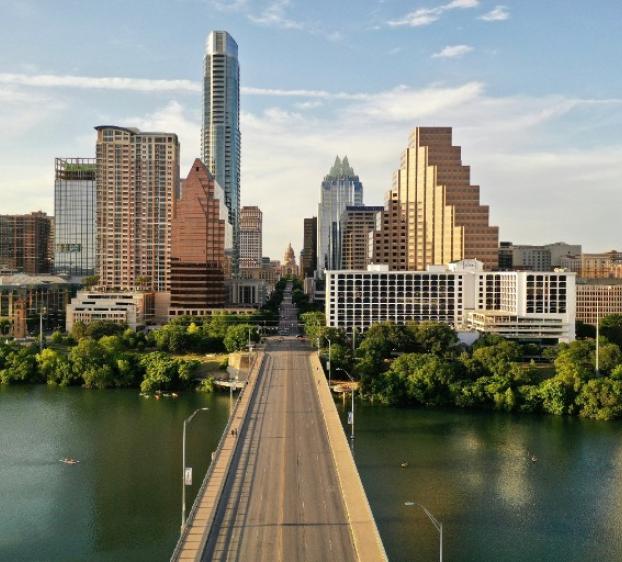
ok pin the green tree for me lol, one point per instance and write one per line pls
(20, 366)
(611, 328)
(90, 281)
(600, 399)
(496, 359)
(78, 330)
(54, 366)
(609, 357)
(433, 337)
(99, 328)
(236, 338)
(557, 396)
(314, 324)
(575, 362)
(89, 360)
(160, 371)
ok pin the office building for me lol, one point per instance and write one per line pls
(26, 243)
(597, 298)
(537, 306)
(536, 258)
(308, 259)
(250, 237)
(131, 308)
(137, 184)
(75, 220)
(200, 231)
(606, 265)
(357, 224)
(24, 297)
(434, 215)
(220, 138)
(341, 188)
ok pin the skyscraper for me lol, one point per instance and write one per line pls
(137, 184)
(250, 237)
(357, 223)
(200, 228)
(433, 214)
(220, 139)
(25, 243)
(308, 262)
(75, 203)
(341, 187)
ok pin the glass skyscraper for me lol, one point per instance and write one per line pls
(75, 203)
(220, 138)
(341, 188)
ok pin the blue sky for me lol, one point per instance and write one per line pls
(532, 89)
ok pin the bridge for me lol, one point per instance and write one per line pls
(285, 488)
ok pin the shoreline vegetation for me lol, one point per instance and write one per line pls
(180, 355)
(424, 364)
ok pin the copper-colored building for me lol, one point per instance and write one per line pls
(433, 214)
(597, 298)
(26, 243)
(200, 230)
(137, 183)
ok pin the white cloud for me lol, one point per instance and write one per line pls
(498, 13)
(274, 16)
(426, 16)
(154, 85)
(452, 52)
(520, 148)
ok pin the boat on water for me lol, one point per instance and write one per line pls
(69, 460)
(404, 464)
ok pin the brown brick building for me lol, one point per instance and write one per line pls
(200, 230)
(357, 223)
(26, 243)
(433, 214)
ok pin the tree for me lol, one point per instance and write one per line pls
(237, 337)
(99, 328)
(90, 281)
(20, 366)
(54, 366)
(557, 396)
(89, 360)
(575, 362)
(600, 399)
(609, 357)
(611, 328)
(78, 330)
(433, 337)
(314, 324)
(496, 359)
(160, 371)
(584, 331)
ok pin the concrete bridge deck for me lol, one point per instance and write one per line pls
(287, 488)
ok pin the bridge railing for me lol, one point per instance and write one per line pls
(208, 474)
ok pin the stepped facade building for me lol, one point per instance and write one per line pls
(433, 213)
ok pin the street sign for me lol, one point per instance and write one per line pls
(328, 365)
(188, 476)
(350, 420)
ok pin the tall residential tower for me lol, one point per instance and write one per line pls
(220, 139)
(137, 184)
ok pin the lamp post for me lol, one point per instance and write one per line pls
(351, 420)
(330, 366)
(42, 311)
(437, 524)
(183, 467)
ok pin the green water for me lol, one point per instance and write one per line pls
(122, 502)
(473, 471)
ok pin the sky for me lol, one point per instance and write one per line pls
(531, 88)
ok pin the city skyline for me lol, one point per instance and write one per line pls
(538, 137)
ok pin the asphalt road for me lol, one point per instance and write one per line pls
(288, 315)
(284, 503)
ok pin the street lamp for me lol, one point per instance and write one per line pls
(351, 416)
(183, 467)
(329, 361)
(42, 311)
(435, 522)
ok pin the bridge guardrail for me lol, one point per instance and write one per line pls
(258, 360)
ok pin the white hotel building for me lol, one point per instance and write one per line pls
(529, 305)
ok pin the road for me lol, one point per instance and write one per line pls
(288, 315)
(284, 503)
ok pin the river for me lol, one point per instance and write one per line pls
(472, 470)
